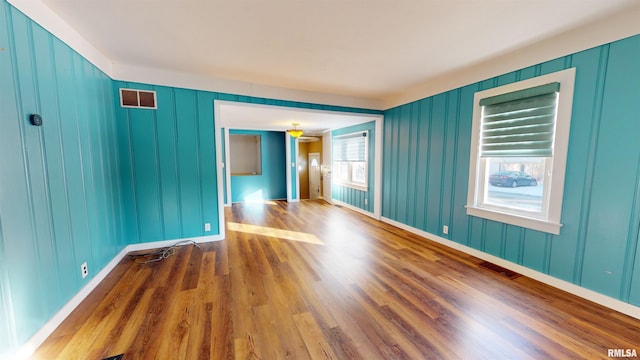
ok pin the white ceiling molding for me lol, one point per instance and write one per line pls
(378, 90)
(45, 17)
(50, 21)
(198, 82)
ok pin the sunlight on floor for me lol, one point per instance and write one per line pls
(273, 232)
(258, 202)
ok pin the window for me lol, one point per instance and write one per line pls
(350, 153)
(245, 155)
(138, 98)
(519, 144)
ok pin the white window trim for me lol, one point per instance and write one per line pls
(350, 184)
(551, 222)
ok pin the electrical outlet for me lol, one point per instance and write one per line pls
(207, 227)
(366, 201)
(84, 269)
(445, 229)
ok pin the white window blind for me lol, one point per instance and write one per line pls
(520, 123)
(350, 147)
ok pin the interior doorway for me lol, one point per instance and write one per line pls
(309, 162)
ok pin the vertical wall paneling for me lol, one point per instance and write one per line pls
(7, 323)
(630, 269)
(423, 143)
(598, 244)
(95, 176)
(403, 161)
(634, 281)
(8, 108)
(189, 166)
(417, 191)
(167, 132)
(459, 229)
(60, 200)
(437, 138)
(618, 152)
(449, 160)
(584, 135)
(167, 161)
(208, 168)
(388, 163)
(31, 170)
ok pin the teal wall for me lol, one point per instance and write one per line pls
(426, 169)
(168, 162)
(351, 196)
(95, 177)
(272, 183)
(60, 198)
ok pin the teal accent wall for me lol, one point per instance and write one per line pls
(60, 195)
(95, 177)
(426, 169)
(168, 161)
(168, 158)
(272, 183)
(351, 196)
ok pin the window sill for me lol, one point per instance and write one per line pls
(518, 220)
(352, 186)
(246, 174)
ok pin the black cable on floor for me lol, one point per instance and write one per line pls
(160, 254)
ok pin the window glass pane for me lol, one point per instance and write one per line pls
(515, 183)
(341, 171)
(358, 173)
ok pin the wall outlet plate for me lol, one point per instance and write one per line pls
(84, 269)
(445, 229)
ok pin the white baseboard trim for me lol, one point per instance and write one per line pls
(615, 304)
(47, 329)
(165, 243)
(28, 348)
(354, 208)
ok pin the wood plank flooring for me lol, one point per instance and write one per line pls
(313, 281)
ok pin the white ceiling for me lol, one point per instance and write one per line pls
(235, 115)
(364, 49)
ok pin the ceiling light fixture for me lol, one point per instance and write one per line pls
(295, 132)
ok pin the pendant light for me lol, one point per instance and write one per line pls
(295, 132)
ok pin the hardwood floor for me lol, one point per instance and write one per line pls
(310, 280)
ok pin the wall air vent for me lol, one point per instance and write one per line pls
(142, 99)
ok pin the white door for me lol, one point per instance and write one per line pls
(314, 175)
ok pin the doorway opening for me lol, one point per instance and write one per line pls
(309, 167)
